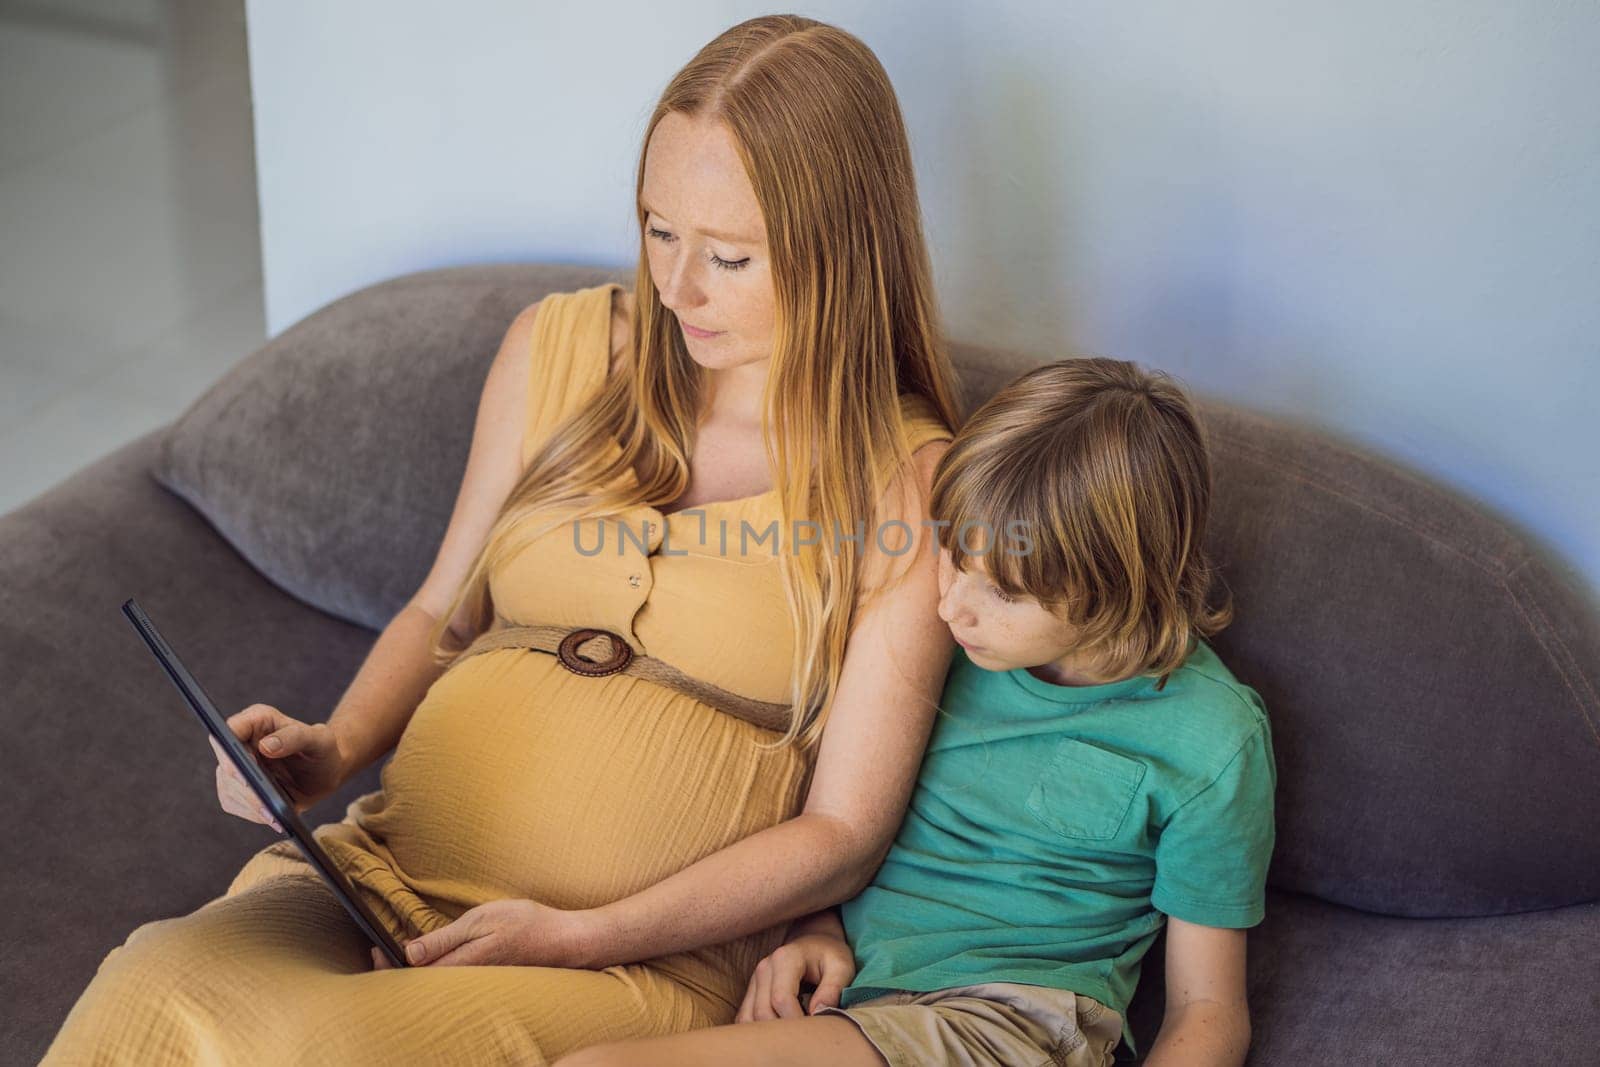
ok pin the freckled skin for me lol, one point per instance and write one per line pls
(694, 182)
(1021, 633)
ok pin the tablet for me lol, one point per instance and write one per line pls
(266, 788)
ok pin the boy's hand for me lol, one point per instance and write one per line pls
(774, 989)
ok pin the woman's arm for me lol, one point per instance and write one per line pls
(1207, 1020)
(866, 765)
(827, 921)
(398, 670)
(393, 679)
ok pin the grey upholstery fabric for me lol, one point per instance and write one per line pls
(1436, 686)
(1334, 986)
(1431, 683)
(331, 457)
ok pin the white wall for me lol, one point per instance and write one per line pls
(1383, 218)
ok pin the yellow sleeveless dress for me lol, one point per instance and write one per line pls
(514, 778)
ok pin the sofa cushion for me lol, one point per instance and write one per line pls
(1331, 985)
(331, 457)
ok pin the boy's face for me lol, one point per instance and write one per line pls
(997, 632)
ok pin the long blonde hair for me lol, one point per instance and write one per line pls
(822, 140)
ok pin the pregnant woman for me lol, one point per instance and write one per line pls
(669, 681)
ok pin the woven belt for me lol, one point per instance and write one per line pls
(610, 654)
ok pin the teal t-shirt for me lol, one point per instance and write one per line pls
(1052, 829)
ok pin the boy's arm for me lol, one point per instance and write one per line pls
(1207, 1021)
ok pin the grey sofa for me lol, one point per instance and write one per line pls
(1432, 680)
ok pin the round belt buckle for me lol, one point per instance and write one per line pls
(567, 652)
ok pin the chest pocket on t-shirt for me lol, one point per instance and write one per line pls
(1085, 791)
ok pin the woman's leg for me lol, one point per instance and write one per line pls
(215, 984)
(813, 1041)
(276, 972)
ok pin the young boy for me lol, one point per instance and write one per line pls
(1095, 773)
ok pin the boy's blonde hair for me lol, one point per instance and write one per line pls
(1086, 484)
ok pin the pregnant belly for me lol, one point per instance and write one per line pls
(517, 778)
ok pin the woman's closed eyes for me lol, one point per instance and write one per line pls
(716, 260)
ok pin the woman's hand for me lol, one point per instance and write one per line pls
(303, 758)
(822, 959)
(516, 932)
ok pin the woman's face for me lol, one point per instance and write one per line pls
(707, 242)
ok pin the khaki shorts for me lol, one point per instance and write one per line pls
(995, 1023)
